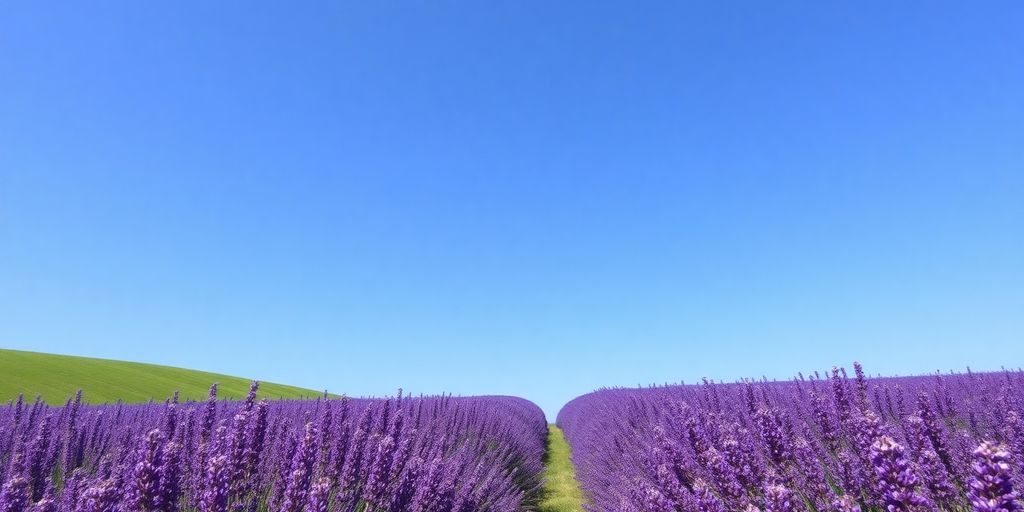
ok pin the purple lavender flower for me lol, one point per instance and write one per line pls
(772, 429)
(777, 498)
(297, 489)
(14, 494)
(341, 435)
(250, 398)
(824, 423)
(1013, 431)
(991, 489)
(868, 431)
(705, 500)
(255, 438)
(807, 473)
(402, 498)
(897, 481)
(669, 484)
(101, 496)
(47, 502)
(725, 479)
(236, 451)
(318, 496)
(71, 492)
(380, 470)
(38, 460)
(170, 477)
(19, 411)
(855, 477)
(171, 417)
(352, 472)
(936, 433)
(862, 387)
(209, 414)
(845, 503)
(433, 493)
(69, 447)
(934, 473)
(841, 397)
(647, 498)
(216, 487)
(147, 494)
(741, 453)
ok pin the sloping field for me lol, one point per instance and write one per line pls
(57, 377)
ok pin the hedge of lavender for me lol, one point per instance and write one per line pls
(943, 442)
(400, 454)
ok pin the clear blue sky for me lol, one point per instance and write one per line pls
(529, 198)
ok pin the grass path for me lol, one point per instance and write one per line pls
(561, 491)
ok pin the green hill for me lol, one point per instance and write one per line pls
(57, 377)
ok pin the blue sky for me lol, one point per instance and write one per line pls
(528, 198)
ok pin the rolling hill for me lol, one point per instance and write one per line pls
(57, 377)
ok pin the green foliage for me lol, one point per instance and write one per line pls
(57, 377)
(561, 491)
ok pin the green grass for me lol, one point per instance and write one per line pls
(57, 377)
(561, 491)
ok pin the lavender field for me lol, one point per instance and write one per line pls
(410, 454)
(824, 443)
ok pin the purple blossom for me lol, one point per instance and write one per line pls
(209, 415)
(648, 498)
(147, 493)
(777, 498)
(991, 488)
(14, 494)
(845, 504)
(70, 449)
(862, 387)
(301, 473)
(319, 494)
(380, 470)
(896, 479)
(705, 500)
(170, 477)
(47, 502)
(101, 496)
(39, 458)
(71, 492)
(214, 497)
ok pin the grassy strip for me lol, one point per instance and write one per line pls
(561, 490)
(57, 377)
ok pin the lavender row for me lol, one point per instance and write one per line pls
(825, 443)
(421, 454)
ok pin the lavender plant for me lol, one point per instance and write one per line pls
(435, 454)
(827, 443)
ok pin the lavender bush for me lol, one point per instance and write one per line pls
(820, 444)
(369, 455)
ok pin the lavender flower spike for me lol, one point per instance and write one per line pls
(215, 495)
(778, 499)
(147, 492)
(845, 504)
(101, 497)
(14, 495)
(991, 489)
(897, 482)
